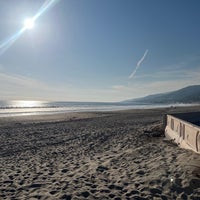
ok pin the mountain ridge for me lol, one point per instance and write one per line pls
(189, 94)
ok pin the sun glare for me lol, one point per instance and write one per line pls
(26, 104)
(29, 23)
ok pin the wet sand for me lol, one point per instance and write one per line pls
(102, 155)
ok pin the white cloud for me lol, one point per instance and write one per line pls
(174, 74)
(17, 87)
(119, 87)
(158, 82)
(14, 86)
(19, 80)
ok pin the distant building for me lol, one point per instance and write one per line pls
(184, 129)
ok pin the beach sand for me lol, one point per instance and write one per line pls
(99, 155)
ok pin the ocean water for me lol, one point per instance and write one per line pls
(21, 108)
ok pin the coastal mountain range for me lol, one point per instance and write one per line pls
(190, 94)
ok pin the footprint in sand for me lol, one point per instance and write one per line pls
(85, 194)
(66, 197)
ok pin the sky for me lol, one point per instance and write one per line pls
(98, 50)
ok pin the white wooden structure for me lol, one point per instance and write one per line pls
(184, 129)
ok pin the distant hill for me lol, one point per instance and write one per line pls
(190, 94)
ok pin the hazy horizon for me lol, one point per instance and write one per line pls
(97, 51)
(43, 100)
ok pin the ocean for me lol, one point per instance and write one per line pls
(21, 108)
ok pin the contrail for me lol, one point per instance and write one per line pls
(138, 64)
(6, 44)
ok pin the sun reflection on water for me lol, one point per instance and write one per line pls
(27, 104)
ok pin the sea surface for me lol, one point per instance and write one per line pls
(21, 108)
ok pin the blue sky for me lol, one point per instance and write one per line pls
(86, 50)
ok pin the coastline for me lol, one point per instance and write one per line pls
(95, 155)
(30, 108)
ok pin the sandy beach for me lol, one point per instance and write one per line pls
(99, 155)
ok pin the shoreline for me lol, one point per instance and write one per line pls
(95, 155)
(31, 111)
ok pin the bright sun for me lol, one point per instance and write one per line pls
(29, 23)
